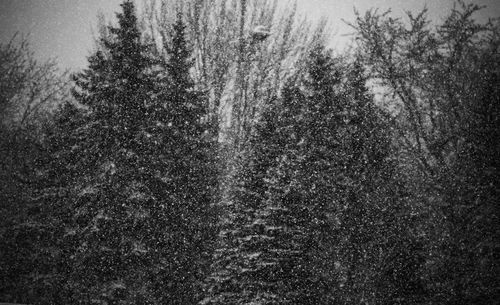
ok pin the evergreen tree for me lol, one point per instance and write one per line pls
(114, 208)
(306, 184)
(183, 155)
(240, 272)
(313, 198)
(274, 219)
(136, 168)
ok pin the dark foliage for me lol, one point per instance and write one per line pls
(337, 196)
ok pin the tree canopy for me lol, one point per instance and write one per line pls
(218, 152)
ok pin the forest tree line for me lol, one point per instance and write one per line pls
(190, 163)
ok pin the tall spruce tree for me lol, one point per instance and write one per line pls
(183, 156)
(306, 183)
(313, 198)
(276, 231)
(114, 208)
(143, 209)
(241, 271)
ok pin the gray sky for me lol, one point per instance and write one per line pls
(63, 28)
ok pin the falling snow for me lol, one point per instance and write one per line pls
(220, 153)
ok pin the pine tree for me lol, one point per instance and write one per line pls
(114, 209)
(268, 230)
(183, 155)
(306, 182)
(240, 270)
(308, 204)
(142, 223)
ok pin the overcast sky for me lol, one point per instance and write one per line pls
(63, 28)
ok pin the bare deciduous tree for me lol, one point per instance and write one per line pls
(239, 72)
(428, 75)
(28, 88)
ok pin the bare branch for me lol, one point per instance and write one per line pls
(27, 87)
